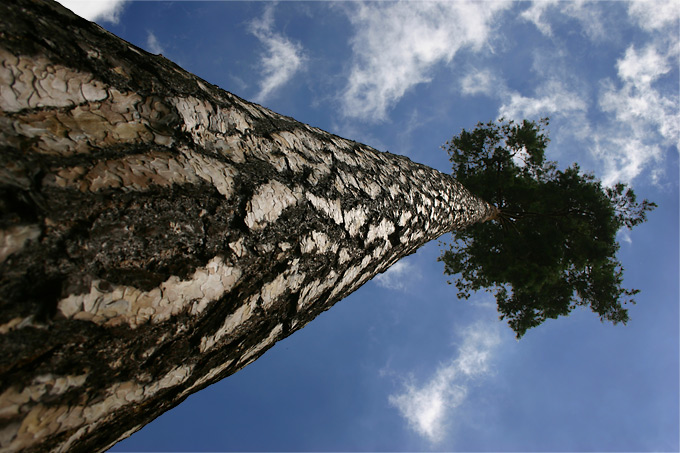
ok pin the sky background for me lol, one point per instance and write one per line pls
(401, 364)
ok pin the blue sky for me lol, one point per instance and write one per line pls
(401, 364)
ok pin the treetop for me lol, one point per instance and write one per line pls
(552, 245)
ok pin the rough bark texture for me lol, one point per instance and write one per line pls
(158, 233)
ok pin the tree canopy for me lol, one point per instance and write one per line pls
(552, 244)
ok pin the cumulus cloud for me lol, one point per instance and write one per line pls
(637, 100)
(399, 276)
(397, 45)
(152, 44)
(429, 408)
(636, 113)
(282, 58)
(96, 10)
(642, 68)
(624, 156)
(644, 119)
(655, 15)
(640, 119)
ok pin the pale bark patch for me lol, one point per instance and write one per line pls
(312, 291)
(317, 242)
(207, 377)
(290, 280)
(238, 247)
(355, 219)
(212, 127)
(382, 231)
(268, 203)
(253, 352)
(128, 305)
(404, 218)
(351, 275)
(332, 208)
(11, 400)
(230, 324)
(344, 256)
(15, 238)
(42, 421)
(28, 82)
(120, 118)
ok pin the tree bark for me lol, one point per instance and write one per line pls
(158, 234)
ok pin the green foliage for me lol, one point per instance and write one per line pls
(552, 246)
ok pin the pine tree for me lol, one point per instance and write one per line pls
(157, 233)
(553, 245)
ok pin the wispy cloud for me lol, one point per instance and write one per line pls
(655, 15)
(152, 44)
(429, 408)
(399, 276)
(623, 235)
(587, 14)
(481, 82)
(645, 119)
(282, 58)
(96, 10)
(628, 122)
(535, 13)
(637, 100)
(552, 97)
(397, 45)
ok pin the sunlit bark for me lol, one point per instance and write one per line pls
(158, 233)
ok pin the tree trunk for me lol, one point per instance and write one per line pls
(158, 233)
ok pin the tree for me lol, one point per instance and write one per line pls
(553, 245)
(158, 234)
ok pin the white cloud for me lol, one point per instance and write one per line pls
(481, 82)
(588, 14)
(535, 13)
(429, 408)
(552, 98)
(399, 276)
(643, 119)
(282, 58)
(641, 69)
(623, 235)
(396, 46)
(152, 44)
(634, 119)
(638, 102)
(484, 300)
(641, 106)
(655, 15)
(623, 155)
(96, 10)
